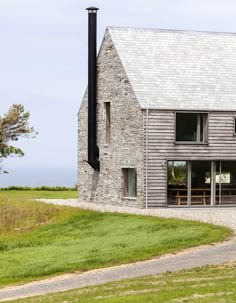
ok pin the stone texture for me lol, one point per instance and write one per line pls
(141, 69)
(126, 143)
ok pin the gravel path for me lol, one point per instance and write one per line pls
(208, 254)
(219, 216)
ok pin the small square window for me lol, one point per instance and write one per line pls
(130, 182)
(191, 127)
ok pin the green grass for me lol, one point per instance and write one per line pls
(39, 240)
(211, 284)
(37, 194)
(44, 187)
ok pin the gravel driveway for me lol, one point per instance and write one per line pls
(208, 254)
(219, 216)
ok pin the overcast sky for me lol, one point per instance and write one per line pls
(43, 65)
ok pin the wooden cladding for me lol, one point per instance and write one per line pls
(159, 132)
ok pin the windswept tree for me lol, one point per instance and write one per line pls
(13, 125)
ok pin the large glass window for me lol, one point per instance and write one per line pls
(224, 183)
(201, 183)
(227, 183)
(191, 127)
(177, 182)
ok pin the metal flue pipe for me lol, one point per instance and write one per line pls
(93, 150)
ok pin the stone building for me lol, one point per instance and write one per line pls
(166, 111)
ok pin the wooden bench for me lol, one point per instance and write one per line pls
(201, 199)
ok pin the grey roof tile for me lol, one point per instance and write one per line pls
(179, 69)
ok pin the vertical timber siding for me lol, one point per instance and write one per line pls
(161, 148)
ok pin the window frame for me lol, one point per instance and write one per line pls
(234, 132)
(219, 174)
(107, 122)
(125, 183)
(205, 128)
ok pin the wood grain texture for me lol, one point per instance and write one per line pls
(162, 147)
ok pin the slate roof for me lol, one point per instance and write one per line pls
(179, 69)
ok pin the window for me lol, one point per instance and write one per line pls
(191, 127)
(108, 122)
(223, 178)
(130, 182)
(235, 125)
(177, 173)
(177, 182)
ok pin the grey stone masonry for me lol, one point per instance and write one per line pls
(126, 135)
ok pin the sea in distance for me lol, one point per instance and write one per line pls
(39, 176)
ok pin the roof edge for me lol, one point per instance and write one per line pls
(109, 32)
(174, 109)
(170, 30)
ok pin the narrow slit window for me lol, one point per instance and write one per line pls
(108, 122)
(235, 125)
(130, 182)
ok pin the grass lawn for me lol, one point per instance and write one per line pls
(212, 284)
(39, 240)
(37, 194)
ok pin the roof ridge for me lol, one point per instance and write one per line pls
(170, 30)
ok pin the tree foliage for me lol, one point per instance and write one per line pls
(13, 125)
(177, 173)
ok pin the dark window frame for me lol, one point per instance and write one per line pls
(125, 178)
(205, 128)
(234, 125)
(108, 122)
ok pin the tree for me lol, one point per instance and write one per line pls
(13, 125)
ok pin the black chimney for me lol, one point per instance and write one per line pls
(93, 150)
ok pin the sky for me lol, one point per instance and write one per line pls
(43, 65)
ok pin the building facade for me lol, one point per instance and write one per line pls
(166, 109)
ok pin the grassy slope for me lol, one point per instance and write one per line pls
(81, 240)
(212, 284)
(88, 240)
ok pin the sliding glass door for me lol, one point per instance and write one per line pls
(227, 183)
(224, 183)
(177, 193)
(201, 183)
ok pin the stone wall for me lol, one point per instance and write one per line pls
(126, 143)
